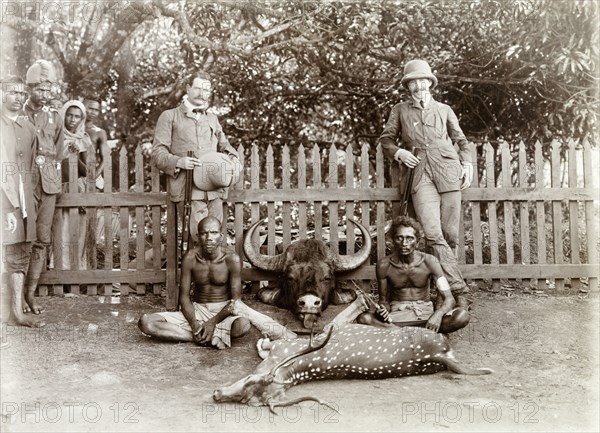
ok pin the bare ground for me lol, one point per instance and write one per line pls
(91, 369)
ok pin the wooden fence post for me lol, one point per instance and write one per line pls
(368, 192)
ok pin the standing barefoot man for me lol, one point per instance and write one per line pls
(18, 209)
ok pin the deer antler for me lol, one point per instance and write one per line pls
(304, 351)
(310, 344)
(300, 400)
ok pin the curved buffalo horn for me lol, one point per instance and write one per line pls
(310, 348)
(352, 261)
(258, 260)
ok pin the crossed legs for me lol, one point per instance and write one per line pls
(439, 214)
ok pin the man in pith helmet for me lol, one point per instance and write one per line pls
(420, 134)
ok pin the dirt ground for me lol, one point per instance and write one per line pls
(91, 369)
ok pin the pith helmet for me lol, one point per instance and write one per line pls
(41, 71)
(416, 69)
(217, 171)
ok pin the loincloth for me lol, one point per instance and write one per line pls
(205, 312)
(408, 311)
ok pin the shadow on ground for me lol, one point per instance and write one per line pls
(91, 369)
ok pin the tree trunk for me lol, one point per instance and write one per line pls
(126, 100)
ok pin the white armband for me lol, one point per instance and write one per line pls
(442, 284)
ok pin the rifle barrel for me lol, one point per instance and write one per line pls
(187, 198)
(406, 191)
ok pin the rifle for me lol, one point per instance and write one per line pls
(369, 301)
(406, 192)
(187, 209)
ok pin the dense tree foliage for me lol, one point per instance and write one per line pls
(328, 72)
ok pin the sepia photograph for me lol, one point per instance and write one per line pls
(299, 215)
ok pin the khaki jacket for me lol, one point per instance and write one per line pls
(429, 133)
(178, 131)
(18, 140)
(50, 149)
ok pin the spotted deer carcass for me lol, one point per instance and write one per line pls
(351, 351)
(307, 270)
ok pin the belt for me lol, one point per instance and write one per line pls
(426, 147)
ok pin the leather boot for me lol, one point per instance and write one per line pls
(37, 264)
(463, 301)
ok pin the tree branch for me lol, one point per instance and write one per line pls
(158, 91)
(116, 37)
(259, 37)
(181, 18)
(479, 80)
(19, 24)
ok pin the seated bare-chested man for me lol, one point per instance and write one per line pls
(216, 312)
(403, 285)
